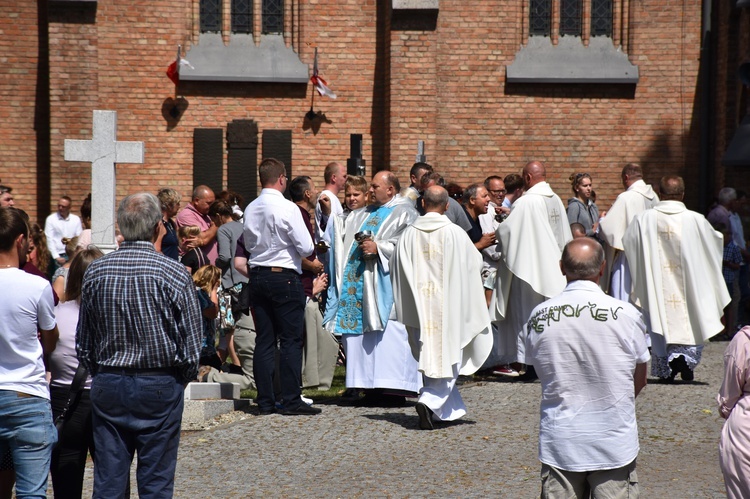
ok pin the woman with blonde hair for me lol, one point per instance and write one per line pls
(207, 280)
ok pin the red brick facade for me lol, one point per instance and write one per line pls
(396, 85)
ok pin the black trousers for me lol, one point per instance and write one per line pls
(69, 457)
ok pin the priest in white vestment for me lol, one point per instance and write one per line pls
(377, 349)
(531, 241)
(439, 297)
(675, 262)
(637, 198)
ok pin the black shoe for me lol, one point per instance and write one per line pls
(678, 365)
(529, 376)
(425, 417)
(301, 410)
(266, 412)
(380, 400)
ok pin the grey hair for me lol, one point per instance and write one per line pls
(727, 195)
(576, 268)
(435, 197)
(138, 215)
(471, 192)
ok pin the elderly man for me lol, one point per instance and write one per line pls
(59, 225)
(26, 310)
(277, 240)
(637, 198)
(455, 212)
(327, 203)
(438, 297)
(496, 213)
(531, 240)
(377, 348)
(320, 347)
(675, 257)
(590, 353)
(139, 334)
(195, 213)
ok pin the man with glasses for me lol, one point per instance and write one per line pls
(59, 225)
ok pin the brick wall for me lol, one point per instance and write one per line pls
(396, 85)
(19, 47)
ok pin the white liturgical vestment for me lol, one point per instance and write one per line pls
(439, 297)
(675, 262)
(531, 241)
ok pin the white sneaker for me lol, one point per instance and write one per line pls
(306, 400)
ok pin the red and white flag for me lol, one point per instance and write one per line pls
(318, 82)
(173, 71)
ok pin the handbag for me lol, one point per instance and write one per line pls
(73, 392)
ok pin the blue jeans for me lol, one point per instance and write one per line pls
(135, 413)
(278, 305)
(26, 429)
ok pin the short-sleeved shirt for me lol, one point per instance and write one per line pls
(584, 346)
(26, 306)
(189, 216)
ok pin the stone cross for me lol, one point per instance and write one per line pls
(421, 157)
(103, 152)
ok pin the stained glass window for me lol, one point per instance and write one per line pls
(539, 17)
(273, 16)
(601, 18)
(242, 16)
(210, 16)
(570, 17)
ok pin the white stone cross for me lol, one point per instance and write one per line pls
(103, 152)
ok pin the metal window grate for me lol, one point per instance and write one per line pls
(210, 16)
(570, 17)
(539, 17)
(273, 16)
(242, 16)
(601, 18)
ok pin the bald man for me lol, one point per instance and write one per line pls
(675, 263)
(592, 365)
(449, 327)
(195, 213)
(530, 241)
(378, 356)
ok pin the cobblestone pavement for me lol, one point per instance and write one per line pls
(358, 452)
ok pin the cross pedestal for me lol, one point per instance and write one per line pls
(103, 152)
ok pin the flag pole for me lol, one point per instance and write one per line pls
(179, 54)
(311, 113)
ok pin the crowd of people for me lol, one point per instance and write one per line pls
(409, 288)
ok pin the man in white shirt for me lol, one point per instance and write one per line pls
(59, 225)
(26, 308)
(335, 178)
(589, 351)
(277, 240)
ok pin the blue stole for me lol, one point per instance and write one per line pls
(351, 291)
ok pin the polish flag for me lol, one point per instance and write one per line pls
(319, 83)
(173, 71)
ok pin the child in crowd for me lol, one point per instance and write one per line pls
(193, 258)
(207, 279)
